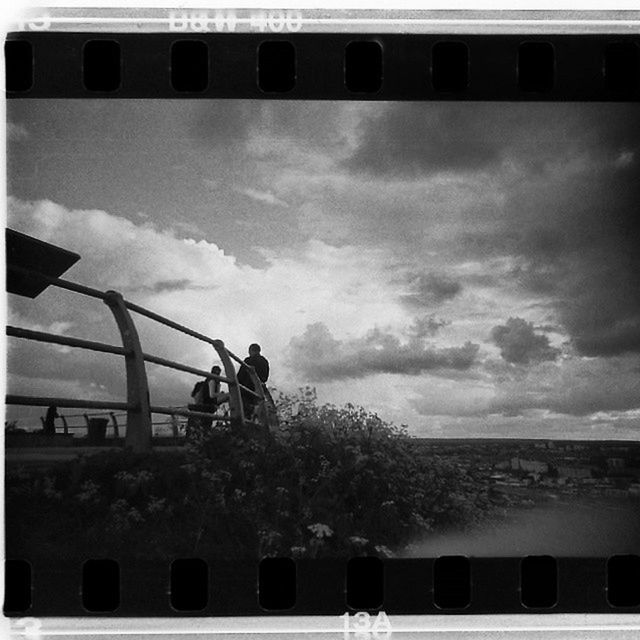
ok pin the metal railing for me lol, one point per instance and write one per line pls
(113, 423)
(138, 406)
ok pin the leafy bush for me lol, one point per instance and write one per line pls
(331, 481)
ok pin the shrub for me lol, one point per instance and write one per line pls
(331, 481)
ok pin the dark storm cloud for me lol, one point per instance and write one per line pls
(419, 139)
(428, 289)
(318, 356)
(593, 268)
(572, 224)
(520, 344)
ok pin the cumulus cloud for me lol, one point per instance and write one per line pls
(520, 344)
(117, 252)
(319, 356)
(194, 283)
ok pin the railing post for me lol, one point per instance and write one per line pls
(139, 430)
(116, 429)
(66, 426)
(235, 398)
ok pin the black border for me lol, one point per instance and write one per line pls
(579, 66)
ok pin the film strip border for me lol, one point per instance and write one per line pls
(283, 586)
(319, 66)
(324, 66)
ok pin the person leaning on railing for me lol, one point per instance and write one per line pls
(207, 395)
(49, 422)
(261, 366)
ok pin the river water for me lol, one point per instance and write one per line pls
(569, 529)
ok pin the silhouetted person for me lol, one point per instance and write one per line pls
(261, 367)
(206, 396)
(49, 424)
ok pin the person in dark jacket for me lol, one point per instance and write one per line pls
(261, 367)
(49, 422)
(206, 397)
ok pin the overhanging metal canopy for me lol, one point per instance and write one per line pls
(26, 252)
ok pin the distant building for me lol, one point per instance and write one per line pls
(574, 472)
(620, 449)
(532, 466)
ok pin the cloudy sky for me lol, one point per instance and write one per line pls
(465, 269)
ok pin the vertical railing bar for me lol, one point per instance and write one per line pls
(235, 398)
(139, 429)
(116, 430)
